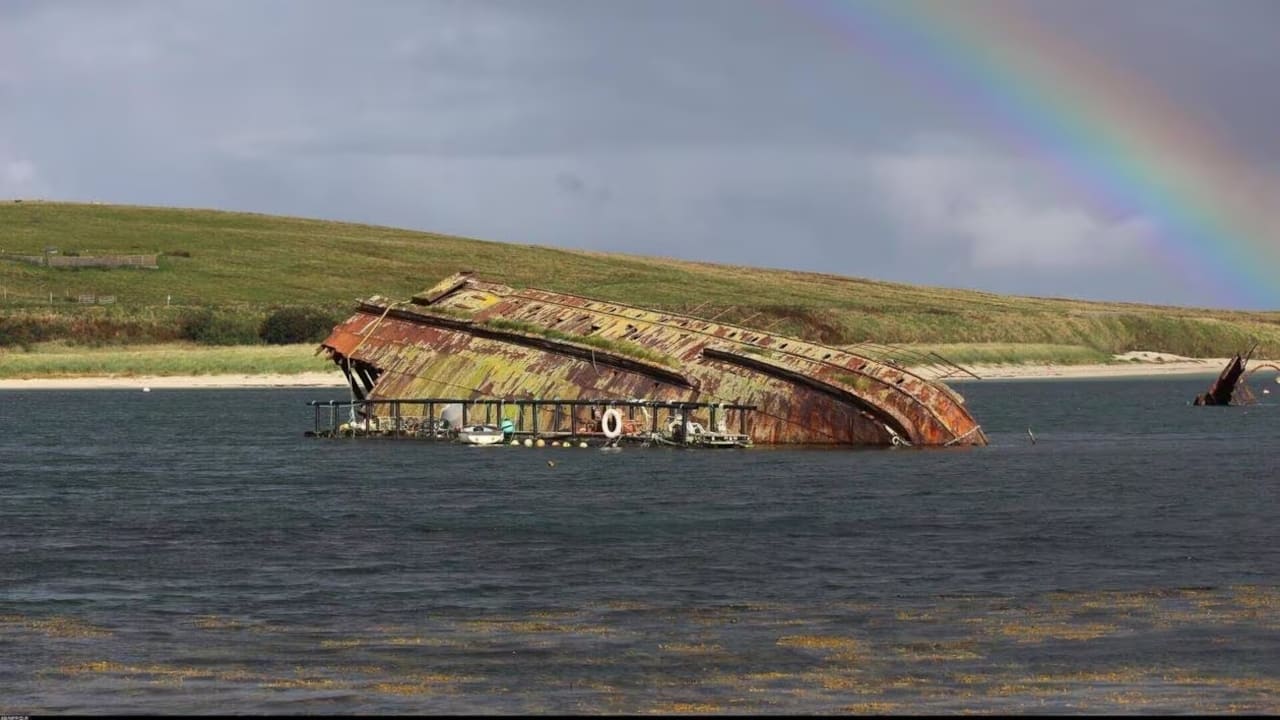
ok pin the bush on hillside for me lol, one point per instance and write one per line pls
(97, 328)
(23, 331)
(208, 327)
(291, 325)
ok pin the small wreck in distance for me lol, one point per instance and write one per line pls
(1230, 387)
(468, 337)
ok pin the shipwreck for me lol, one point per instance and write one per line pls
(485, 342)
(1230, 387)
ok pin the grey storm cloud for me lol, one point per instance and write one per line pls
(724, 130)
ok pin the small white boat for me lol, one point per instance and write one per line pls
(480, 434)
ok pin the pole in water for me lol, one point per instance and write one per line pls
(1032, 436)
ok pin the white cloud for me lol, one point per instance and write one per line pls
(997, 212)
(18, 178)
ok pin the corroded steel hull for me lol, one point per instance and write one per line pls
(470, 338)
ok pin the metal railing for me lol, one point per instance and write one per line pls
(550, 418)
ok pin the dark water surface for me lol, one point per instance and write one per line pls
(189, 551)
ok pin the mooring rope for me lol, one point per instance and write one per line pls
(958, 438)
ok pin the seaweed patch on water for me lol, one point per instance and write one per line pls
(685, 708)
(686, 648)
(214, 622)
(946, 651)
(57, 626)
(304, 683)
(159, 672)
(1176, 609)
(1065, 652)
(920, 616)
(876, 708)
(820, 642)
(1038, 632)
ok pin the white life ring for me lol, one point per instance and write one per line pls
(611, 423)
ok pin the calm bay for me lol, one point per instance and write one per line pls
(190, 551)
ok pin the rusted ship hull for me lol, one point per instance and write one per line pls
(1225, 385)
(467, 337)
(1230, 387)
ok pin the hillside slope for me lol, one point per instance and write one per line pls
(248, 263)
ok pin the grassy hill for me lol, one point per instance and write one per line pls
(241, 266)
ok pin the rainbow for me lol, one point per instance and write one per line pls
(1110, 136)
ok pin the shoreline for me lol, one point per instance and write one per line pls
(1179, 367)
(1182, 367)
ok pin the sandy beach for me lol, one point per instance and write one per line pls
(1134, 364)
(1128, 365)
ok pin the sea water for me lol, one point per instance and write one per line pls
(1114, 549)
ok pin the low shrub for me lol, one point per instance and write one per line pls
(291, 325)
(209, 327)
(22, 331)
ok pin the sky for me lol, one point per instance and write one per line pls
(1094, 149)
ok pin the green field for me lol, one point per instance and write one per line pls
(53, 360)
(239, 267)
